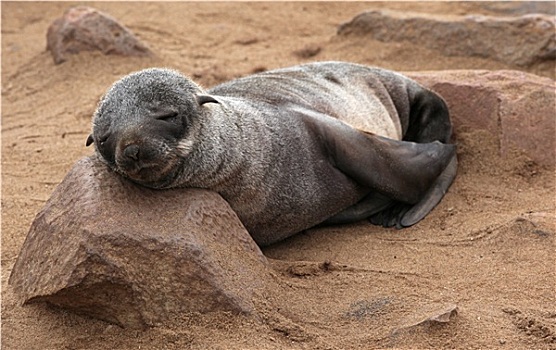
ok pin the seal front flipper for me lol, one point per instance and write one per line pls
(400, 170)
(403, 171)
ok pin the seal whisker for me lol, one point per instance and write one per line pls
(184, 147)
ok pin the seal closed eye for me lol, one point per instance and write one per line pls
(326, 142)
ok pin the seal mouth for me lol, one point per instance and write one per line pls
(141, 171)
(149, 174)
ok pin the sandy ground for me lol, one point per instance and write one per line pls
(488, 248)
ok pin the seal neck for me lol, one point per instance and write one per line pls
(215, 153)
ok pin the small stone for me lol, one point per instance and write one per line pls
(87, 29)
(308, 51)
(428, 316)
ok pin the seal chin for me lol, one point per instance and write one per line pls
(153, 175)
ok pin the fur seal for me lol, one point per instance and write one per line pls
(325, 142)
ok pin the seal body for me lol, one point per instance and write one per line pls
(288, 149)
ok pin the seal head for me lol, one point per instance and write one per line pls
(149, 134)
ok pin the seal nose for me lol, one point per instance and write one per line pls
(131, 152)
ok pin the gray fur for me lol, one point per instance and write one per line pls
(272, 144)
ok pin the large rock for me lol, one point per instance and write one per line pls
(517, 107)
(86, 29)
(136, 257)
(520, 41)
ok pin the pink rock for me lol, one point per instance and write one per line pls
(87, 29)
(105, 247)
(518, 107)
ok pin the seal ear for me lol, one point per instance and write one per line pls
(90, 140)
(202, 99)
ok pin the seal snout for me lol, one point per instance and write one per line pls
(133, 157)
(131, 152)
(142, 160)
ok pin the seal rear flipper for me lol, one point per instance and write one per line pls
(404, 215)
(391, 216)
(433, 196)
(371, 204)
(400, 170)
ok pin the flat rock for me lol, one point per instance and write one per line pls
(520, 41)
(517, 107)
(87, 29)
(137, 257)
(519, 7)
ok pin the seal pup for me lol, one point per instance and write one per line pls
(326, 142)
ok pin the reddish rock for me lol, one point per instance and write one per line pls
(136, 257)
(518, 107)
(520, 41)
(86, 29)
